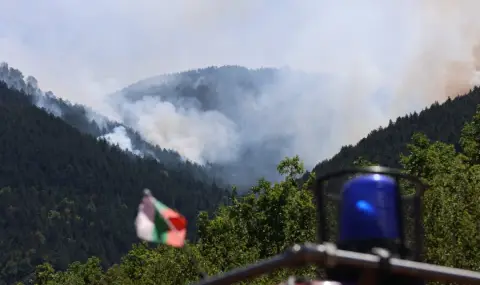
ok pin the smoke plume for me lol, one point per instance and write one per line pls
(364, 62)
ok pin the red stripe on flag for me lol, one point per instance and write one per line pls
(179, 223)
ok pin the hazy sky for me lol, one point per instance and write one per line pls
(390, 57)
(106, 44)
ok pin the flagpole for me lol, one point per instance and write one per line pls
(186, 247)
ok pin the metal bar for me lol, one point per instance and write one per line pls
(410, 268)
(324, 255)
(248, 272)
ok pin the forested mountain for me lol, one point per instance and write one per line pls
(213, 114)
(223, 89)
(66, 195)
(273, 216)
(226, 91)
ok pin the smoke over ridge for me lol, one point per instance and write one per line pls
(362, 63)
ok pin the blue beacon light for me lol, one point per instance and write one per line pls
(368, 209)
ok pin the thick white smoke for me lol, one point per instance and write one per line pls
(198, 136)
(120, 138)
(382, 59)
(279, 115)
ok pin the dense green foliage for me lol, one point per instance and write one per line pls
(272, 217)
(264, 222)
(65, 196)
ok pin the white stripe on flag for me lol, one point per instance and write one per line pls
(144, 227)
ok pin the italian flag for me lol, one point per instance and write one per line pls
(157, 223)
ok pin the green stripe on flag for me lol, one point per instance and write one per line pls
(161, 228)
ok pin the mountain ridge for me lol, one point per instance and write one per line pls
(193, 88)
(91, 122)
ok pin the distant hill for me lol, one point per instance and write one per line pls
(66, 195)
(221, 91)
(224, 88)
(240, 119)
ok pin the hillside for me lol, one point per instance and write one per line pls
(65, 195)
(440, 122)
(91, 122)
